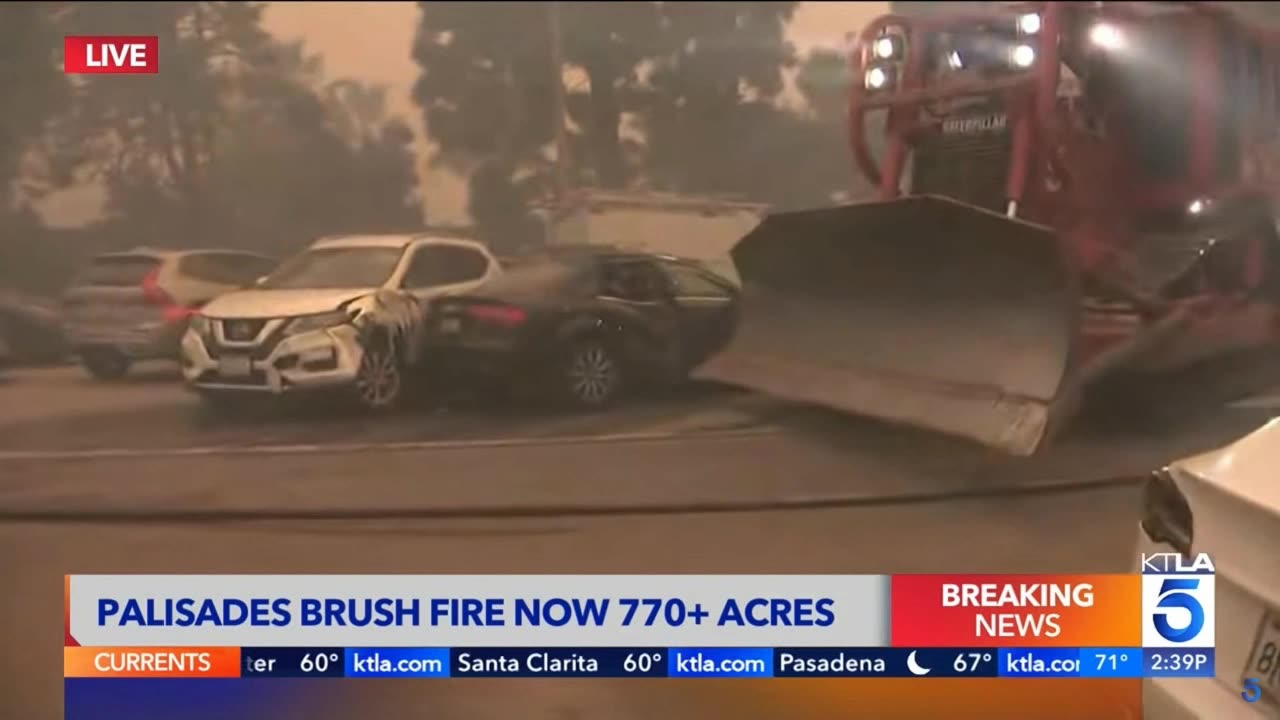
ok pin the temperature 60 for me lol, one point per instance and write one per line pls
(970, 662)
(318, 663)
(641, 662)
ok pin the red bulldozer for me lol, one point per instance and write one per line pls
(1067, 189)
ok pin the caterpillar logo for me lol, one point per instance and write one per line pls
(975, 125)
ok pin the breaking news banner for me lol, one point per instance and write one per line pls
(627, 626)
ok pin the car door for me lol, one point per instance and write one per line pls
(436, 270)
(637, 290)
(706, 310)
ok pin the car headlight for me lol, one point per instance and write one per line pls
(321, 321)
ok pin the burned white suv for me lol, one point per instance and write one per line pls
(345, 314)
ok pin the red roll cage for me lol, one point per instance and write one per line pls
(1030, 96)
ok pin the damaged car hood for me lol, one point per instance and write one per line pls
(281, 303)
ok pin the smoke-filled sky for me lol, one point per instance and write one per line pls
(372, 40)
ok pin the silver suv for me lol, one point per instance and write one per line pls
(135, 305)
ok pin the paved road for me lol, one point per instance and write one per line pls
(67, 445)
(59, 409)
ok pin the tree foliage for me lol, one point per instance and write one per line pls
(32, 87)
(239, 139)
(683, 97)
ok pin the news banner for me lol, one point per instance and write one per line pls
(1159, 623)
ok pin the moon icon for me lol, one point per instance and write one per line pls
(915, 667)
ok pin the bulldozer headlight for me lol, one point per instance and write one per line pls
(1106, 36)
(887, 47)
(879, 78)
(1029, 24)
(1023, 56)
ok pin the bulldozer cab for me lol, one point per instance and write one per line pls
(1028, 148)
(981, 106)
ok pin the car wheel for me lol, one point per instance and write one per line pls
(105, 363)
(380, 380)
(592, 375)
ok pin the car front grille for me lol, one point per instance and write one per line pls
(242, 331)
(237, 332)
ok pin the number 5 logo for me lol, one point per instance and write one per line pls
(1174, 594)
(1252, 691)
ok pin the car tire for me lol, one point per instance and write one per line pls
(380, 381)
(591, 375)
(105, 363)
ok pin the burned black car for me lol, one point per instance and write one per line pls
(586, 326)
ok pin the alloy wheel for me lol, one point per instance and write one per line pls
(379, 381)
(593, 375)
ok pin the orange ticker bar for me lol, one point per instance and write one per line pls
(151, 662)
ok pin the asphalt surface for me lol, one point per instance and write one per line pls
(134, 477)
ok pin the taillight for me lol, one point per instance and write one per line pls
(151, 290)
(174, 313)
(1167, 517)
(497, 314)
(153, 294)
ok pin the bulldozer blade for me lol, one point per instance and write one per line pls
(920, 311)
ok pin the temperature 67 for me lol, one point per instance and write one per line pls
(647, 611)
(972, 661)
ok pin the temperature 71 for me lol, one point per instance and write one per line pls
(318, 663)
(970, 662)
(1112, 661)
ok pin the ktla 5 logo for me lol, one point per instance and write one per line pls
(1178, 601)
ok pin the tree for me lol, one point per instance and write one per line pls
(485, 81)
(239, 139)
(32, 88)
(151, 138)
(487, 91)
(664, 94)
(720, 69)
(608, 42)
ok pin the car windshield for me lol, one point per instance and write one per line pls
(343, 267)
